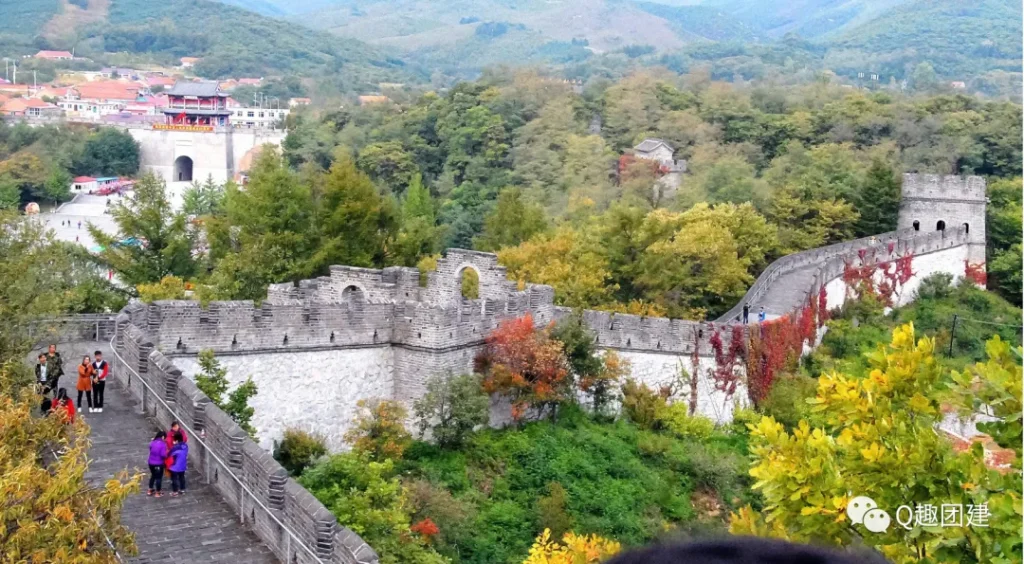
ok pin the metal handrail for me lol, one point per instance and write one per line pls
(196, 437)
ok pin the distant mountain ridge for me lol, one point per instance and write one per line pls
(230, 40)
(865, 32)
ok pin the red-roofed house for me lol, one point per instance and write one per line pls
(54, 55)
(29, 107)
(156, 80)
(83, 184)
(93, 100)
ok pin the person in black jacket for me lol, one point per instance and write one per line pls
(54, 368)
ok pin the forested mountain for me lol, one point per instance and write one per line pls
(230, 40)
(889, 38)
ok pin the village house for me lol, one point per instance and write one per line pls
(188, 62)
(258, 118)
(54, 55)
(93, 100)
(29, 107)
(298, 102)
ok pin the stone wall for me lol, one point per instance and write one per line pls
(314, 391)
(955, 201)
(286, 517)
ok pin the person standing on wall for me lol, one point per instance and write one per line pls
(102, 369)
(157, 454)
(85, 374)
(762, 315)
(179, 463)
(175, 430)
(746, 313)
(54, 368)
(41, 376)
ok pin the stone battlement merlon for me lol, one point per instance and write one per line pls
(944, 187)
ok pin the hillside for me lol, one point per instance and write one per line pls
(807, 18)
(957, 38)
(474, 33)
(231, 41)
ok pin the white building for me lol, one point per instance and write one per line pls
(258, 118)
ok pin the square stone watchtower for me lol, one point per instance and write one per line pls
(935, 202)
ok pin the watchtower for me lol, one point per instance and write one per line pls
(935, 202)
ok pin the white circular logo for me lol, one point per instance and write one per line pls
(858, 506)
(877, 520)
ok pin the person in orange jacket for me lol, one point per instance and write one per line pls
(85, 374)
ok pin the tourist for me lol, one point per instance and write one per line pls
(99, 384)
(746, 313)
(157, 455)
(65, 403)
(179, 462)
(79, 223)
(175, 430)
(762, 315)
(41, 377)
(54, 367)
(85, 373)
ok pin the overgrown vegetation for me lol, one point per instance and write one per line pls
(212, 380)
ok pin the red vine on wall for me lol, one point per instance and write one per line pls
(885, 279)
(725, 374)
(976, 273)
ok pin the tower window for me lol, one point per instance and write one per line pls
(917, 225)
(940, 226)
(967, 228)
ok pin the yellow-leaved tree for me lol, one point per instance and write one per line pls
(575, 549)
(48, 513)
(877, 435)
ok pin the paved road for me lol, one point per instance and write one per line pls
(198, 527)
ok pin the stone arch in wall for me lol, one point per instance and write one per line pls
(353, 294)
(940, 226)
(468, 277)
(444, 287)
(917, 225)
(182, 169)
(967, 228)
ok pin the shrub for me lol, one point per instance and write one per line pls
(452, 407)
(168, 288)
(551, 511)
(641, 404)
(298, 450)
(576, 549)
(379, 430)
(787, 400)
(677, 419)
(936, 286)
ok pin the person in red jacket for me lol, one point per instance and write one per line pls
(101, 370)
(65, 403)
(174, 430)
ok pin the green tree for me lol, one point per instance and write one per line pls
(389, 164)
(267, 235)
(10, 193)
(419, 235)
(878, 201)
(58, 185)
(378, 430)
(297, 450)
(873, 433)
(152, 240)
(512, 221)
(206, 199)
(366, 496)
(452, 407)
(356, 223)
(109, 151)
(168, 288)
(212, 380)
(1003, 223)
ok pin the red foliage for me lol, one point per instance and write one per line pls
(774, 345)
(426, 527)
(893, 276)
(976, 273)
(891, 246)
(725, 376)
(524, 363)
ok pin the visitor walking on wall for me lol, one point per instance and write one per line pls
(157, 455)
(54, 368)
(746, 313)
(179, 462)
(762, 315)
(102, 369)
(85, 373)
